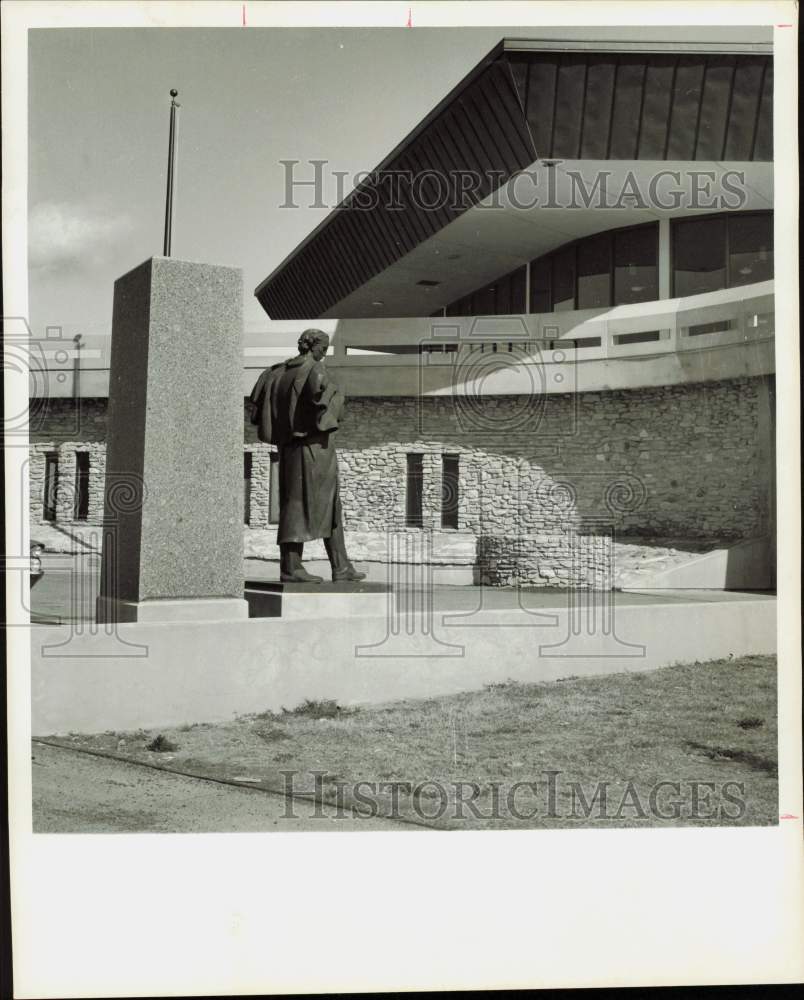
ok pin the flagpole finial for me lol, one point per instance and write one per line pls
(174, 92)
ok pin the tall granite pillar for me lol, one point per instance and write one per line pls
(173, 514)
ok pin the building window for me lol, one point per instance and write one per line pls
(541, 295)
(449, 491)
(273, 490)
(594, 272)
(81, 505)
(621, 267)
(438, 348)
(413, 491)
(643, 337)
(701, 329)
(607, 269)
(247, 465)
(750, 248)
(722, 251)
(636, 265)
(51, 486)
(575, 344)
(503, 297)
(699, 255)
(483, 301)
(564, 280)
(516, 281)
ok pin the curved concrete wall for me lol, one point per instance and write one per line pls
(719, 335)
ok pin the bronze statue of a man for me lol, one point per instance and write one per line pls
(297, 407)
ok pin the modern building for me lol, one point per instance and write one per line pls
(552, 310)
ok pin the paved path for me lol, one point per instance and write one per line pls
(74, 792)
(68, 589)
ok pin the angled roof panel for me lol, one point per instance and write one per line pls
(522, 103)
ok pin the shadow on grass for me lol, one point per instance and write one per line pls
(752, 760)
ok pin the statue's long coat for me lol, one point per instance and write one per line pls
(297, 407)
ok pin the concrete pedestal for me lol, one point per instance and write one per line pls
(198, 609)
(173, 515)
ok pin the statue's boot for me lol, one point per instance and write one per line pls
(342, 569)
(290, 564)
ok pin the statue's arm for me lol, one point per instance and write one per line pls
(257, 397)
(327, 398)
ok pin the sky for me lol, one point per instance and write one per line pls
(98, 126)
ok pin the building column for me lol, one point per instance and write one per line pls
(665, 259)
(527, 288)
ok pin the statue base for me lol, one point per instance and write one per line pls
(344, 599)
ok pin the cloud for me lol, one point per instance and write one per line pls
(61, 234)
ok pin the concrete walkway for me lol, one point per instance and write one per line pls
(68, 589)
(75, 792)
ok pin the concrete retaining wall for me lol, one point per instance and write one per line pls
(147, 675)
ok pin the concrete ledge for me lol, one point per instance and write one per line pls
(149, 674)
(191, 609)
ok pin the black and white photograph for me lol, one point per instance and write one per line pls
(401, 449)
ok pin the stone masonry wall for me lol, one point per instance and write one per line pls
(676, 461)
(58, 426)
(260, 484)
(539, 479)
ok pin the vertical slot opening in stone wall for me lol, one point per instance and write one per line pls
(247, 462)
(51, 486)
(449, 490)
(414, 490)
(81, 505)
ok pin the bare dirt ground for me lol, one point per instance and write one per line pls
(78, 793)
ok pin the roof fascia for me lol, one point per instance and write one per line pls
(678, 48)
(470, 77)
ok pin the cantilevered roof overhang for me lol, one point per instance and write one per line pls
(527, 102)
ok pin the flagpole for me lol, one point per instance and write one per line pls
(170, 172)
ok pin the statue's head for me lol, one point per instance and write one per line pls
(314, 342)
